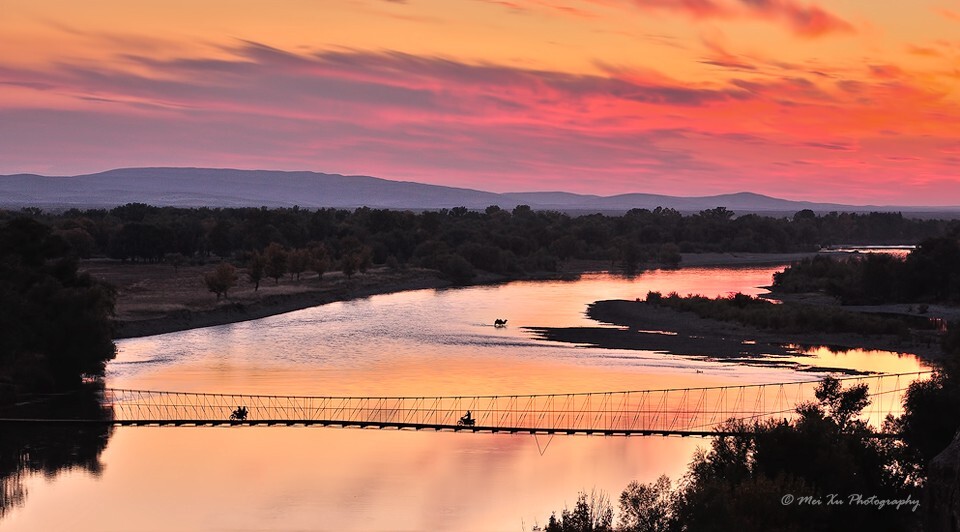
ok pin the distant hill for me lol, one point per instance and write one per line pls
(196, 187)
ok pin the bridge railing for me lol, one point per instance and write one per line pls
(680, 410)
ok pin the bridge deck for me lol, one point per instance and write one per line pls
(379, 425)
(667, 412)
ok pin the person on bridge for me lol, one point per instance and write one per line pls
(240, 413)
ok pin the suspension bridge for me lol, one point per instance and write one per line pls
(676, 411)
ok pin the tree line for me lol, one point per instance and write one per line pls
(928, 274)
(461, 241)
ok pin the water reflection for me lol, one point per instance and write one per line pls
(337, 479)
(416, 343)
(33, 449)
(433, 343)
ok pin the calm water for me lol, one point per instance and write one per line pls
(415, 343)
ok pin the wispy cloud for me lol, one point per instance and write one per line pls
(924, 51)
(807, 21)
(803, 20)
(477, 124)
(949, 14)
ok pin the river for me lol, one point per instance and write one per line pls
(427, 342)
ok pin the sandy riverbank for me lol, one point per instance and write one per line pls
(654, 328)
(156, 299)
(943, 312)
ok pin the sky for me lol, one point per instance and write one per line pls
(854, 101)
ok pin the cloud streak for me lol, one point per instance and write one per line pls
(483, 125)
(808, 21)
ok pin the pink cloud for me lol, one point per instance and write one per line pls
(484, 126)
(886, 71)
(694, 8)
(804, 20)
(808, 21)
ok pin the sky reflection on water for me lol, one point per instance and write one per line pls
(416, 343)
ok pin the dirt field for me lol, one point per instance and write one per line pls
(155, 298)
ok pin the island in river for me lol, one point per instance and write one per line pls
(649, 327)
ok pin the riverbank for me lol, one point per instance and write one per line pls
(914, 310)
(701, 260)
(656, 328)
(156, 298)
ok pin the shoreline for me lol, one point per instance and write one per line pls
(148, 305)
(653, 328)
(263, 304)
(228, 312)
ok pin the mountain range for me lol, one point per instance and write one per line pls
(196, 187)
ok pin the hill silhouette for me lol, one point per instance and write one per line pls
(217, 187)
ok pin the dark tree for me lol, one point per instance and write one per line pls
(319, 261)
(222, 279)
(54, 322)
(297, 262)
(276, 262)
(591, 513)
(349, 264)
(256, 268)
(646, 507)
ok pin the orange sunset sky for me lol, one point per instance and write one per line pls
(856, 101)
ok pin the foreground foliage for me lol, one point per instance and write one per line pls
(54, 322)
(777, 475)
